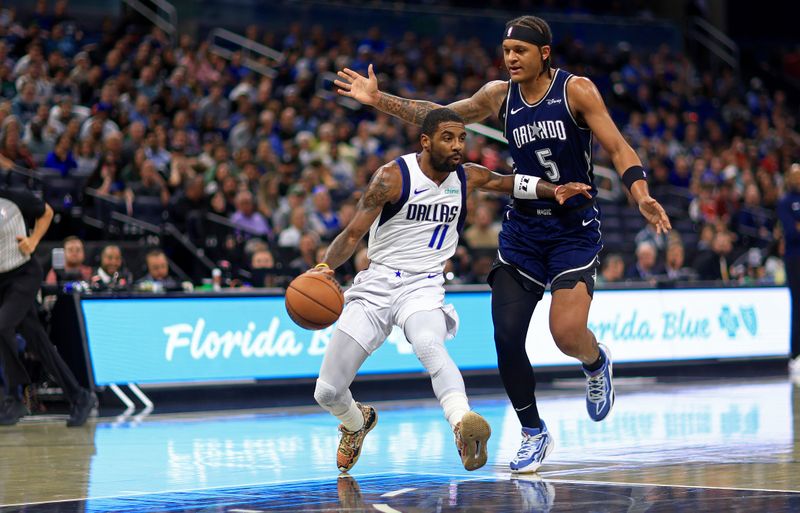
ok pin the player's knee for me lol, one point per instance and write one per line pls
(325, 394)
(567, 336)
(431, 352)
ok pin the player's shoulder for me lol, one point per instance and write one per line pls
(387, 179)
(580, 85)
(495, 89)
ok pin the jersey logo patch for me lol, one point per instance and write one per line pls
(417, 191)
(514, 111)
(551, 101)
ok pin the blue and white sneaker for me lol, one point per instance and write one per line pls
(536, 445)
(600, 388)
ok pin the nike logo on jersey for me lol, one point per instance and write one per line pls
(514, 111)
(417, 191)
(539, 131)
(432, 275)
(587, 223)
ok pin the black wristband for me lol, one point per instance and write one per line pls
(633, 174)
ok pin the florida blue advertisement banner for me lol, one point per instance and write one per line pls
(232, 338)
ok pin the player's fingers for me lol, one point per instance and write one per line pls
(351, 74)
(370, 73)
(586, 193)
(345, 76)
(344, 93)
(342, 85)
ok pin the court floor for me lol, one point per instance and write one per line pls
(705, 446)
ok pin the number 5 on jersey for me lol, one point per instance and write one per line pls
(551, 169)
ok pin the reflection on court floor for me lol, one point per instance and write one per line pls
(664, 448)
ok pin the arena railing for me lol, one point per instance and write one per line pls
(164, 16)
(220, 40)
(714, 41)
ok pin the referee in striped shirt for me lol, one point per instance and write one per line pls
(20, 279)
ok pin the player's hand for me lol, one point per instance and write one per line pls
(358, 87)
(655, 214)
(324, 269)
(26, 245)
(568, 190)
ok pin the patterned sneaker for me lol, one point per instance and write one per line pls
(600, 389)
(536, 445)
(351, 441)
(471, 435)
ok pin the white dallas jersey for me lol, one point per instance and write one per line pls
(420, 231)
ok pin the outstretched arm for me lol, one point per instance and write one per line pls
(479, 177)
(478, 107)
(385, 187)
(585, 100)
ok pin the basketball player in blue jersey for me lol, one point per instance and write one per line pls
(550, 118)
(413, 209)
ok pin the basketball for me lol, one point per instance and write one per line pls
(314, 300)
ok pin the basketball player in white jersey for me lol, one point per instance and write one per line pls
(414, 208)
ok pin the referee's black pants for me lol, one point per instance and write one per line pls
(793, 279)
(18, 313)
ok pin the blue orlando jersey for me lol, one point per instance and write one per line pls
(545, 139)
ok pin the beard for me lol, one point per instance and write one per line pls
(443, 163)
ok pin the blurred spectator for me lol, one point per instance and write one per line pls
(713, 264)
(247, 217)
(61, 157)
(613, 270)
(752, 223)
(189, 206)
(290, 237)
(674, 266)
(262, 268)
(323, 219)
(106, 178)
(74, 268)
(150, 184)
(309, 242)
(484, 231)
(651, 235)
(110, 273)
(157, 278)
(646, 267)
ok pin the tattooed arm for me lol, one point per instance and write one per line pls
(385, 187)
(479, 106)
(479, 177)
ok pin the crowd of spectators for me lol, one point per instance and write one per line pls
(283, 159)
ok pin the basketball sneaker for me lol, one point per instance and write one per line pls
(599, 388)
(351, 441)
(536, 494)
(11, 410)
(472, 434)
(536, 445)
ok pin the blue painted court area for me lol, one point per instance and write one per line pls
(690, 447)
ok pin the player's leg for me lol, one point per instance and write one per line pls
(569, 316)
(82, 401)
(426, 331)
(343, 357)
(16, 296)
(514, 299)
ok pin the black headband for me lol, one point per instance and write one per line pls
(527, 34)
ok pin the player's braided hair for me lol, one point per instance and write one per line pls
(539, 25)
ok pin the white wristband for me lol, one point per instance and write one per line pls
(525, 186)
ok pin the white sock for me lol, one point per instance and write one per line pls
(353, 418)
(455, 406)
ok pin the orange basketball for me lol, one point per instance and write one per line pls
(314, 300)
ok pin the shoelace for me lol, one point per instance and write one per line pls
(529, 444)
(597, 388)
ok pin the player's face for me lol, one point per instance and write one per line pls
(446, 146)
(524, 61)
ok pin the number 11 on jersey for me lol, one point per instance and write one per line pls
(439, 228)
